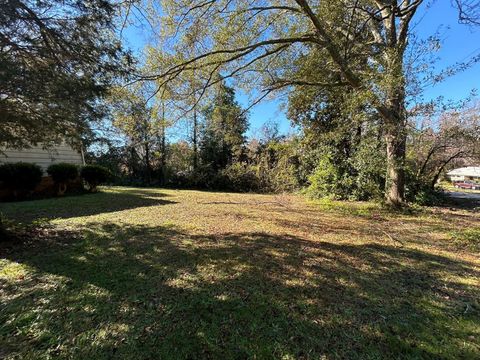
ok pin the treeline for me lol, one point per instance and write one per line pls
(354, 91)
(217, 154)
(338, 151)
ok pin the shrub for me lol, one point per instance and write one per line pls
(20, 177)
(357, 177)
(179, 179)
(95, 175)
(427, 197)
(324, 180)
(368, 163)
(61, 174)
(240, 177)
(278, 168)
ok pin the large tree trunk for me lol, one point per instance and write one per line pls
(395, 137)
(395, 181)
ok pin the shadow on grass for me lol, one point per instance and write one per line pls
(157, 292)
(83, 205)
(461, 201)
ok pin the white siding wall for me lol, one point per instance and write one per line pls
(42, 157)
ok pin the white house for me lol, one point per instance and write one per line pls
(470, 173)
(63, 153)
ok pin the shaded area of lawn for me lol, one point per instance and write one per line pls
(116, 199)
(142, 292)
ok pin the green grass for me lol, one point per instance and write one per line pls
(162, 274)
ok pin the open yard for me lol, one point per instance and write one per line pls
(143, 274)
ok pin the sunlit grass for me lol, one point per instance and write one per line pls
(143, 273)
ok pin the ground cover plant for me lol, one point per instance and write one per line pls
(153, 273)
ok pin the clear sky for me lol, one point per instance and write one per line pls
(460, 43)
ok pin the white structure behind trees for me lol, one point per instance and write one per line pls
(63, 153)
(470, 173)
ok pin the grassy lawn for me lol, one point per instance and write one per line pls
(144, 274)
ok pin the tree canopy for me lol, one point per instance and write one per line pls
(279, 45)
(57, 59)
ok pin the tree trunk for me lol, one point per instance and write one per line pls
(395, 122)
(163, 158)
(396, 138)
(163, 149)
(395, 181)
(147, 163)
(195, 145)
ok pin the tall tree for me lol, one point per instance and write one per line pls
(140, 120)
(225, 125)
(57, 58)
(363, 43)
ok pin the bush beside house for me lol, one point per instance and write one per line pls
(95, 175)
(22, 180)
(62, 174)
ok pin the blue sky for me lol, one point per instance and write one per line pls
(461, 42)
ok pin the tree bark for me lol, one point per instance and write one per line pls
(163, 158)
(163, 149)
(147, 163)
(396, 138)
(395, 181)
(195, 145)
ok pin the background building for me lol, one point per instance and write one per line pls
(63, 153)
(471, 173)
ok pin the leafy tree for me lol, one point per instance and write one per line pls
(137, 121)
(57, 59)
(223, 138)
(179, 162)
(362, 43)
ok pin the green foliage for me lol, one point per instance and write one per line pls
(278, 165)
(57, 59)
(62, 172)
(241, 177)
(368, 163)
(343, 155)
(357, 176)
(428, 197)
(324, 182)
(223, 135)
(20, 177)
(95, 175)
